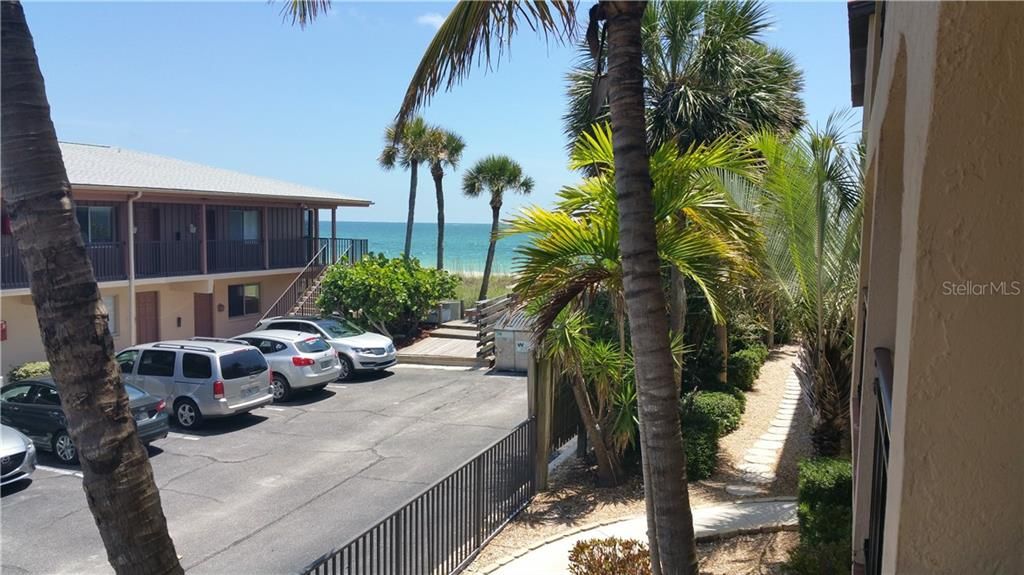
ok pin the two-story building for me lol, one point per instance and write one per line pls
(180, 249)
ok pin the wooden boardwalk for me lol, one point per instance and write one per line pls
(441, 350)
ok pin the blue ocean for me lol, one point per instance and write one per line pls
(465, 245)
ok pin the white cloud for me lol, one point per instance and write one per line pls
(431, 19)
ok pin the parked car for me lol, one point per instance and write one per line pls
(199, 379)
(17, 456)
(358, 349)
(33, 408)
(297, 360)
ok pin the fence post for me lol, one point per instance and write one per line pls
(478, 498)
(539, 391)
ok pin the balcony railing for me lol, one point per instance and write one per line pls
(880, 471)
(166, 259)
(234, 255)
(155, 259)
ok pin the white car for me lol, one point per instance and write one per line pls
(17, 454)
(297, 360)
(358, 349)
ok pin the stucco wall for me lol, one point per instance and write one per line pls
(955, 500)
(271, 287)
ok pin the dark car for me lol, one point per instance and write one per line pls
(33, 408)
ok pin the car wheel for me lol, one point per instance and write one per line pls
(280, 388)
(187, 414)
(64, 448)
(346, 368)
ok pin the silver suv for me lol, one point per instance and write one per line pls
(199, 379)
(297, 360)
(358, 349)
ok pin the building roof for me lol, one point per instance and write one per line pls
(110, 167)
(858, 13)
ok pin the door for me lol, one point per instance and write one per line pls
(202, 305)
(44, 416)
(147, 317)
(156, 373)
(15, 398)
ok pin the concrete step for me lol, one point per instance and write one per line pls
(460, 324)
(423, 359)
(450, 333)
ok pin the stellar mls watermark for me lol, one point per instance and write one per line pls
(981, 289)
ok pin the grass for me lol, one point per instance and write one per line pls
(469, 288)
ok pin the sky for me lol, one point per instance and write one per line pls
(232, 85)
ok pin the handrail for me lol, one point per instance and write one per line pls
(288, 289)
(883, 366)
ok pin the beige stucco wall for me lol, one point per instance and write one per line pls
(955, 499)
(176, 312)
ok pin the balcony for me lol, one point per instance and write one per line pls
(155, 259)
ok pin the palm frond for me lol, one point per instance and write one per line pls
(303, 12)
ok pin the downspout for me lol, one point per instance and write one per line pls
(132, 331)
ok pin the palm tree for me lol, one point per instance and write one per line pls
(444, 151)
(809, 202)
(118, 479)
(494, 175)
(469, 31)
(407, 145)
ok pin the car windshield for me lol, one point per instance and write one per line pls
(242, 363)
(134, 392)
(339, 327)
(312, 345)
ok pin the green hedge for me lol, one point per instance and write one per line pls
(744, 366)
(28, 370)
(609, 556)
(825, 512)
(721, 410)
(706, 416)
(701, 451)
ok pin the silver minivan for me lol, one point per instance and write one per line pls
(297, 360)
(199, 379)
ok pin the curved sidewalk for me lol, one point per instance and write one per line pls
(709, 522)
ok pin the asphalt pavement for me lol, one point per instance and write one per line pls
(271, 491)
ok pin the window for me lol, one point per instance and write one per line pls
(242, 363)
(134, 392)
(96, 222)
(312, 345)
(339, 327)
(243, 299)
(195, 366)
(46, 396)
(126, 359)
(158, 363)
(265, 346)
(17, 393)
(286, 325)
(110, 302)
(244, 224)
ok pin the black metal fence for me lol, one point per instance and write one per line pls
(166, 258)
(440, 532)
(565, 415)
(880, 472)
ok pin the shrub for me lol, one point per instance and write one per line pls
(744, 367)
(392, 295)
(701, 444)
(721, 410)
(28, 371)
(610, 556)
(825, 513)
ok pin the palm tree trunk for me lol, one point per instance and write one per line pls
(412, 209)
(722, 347)
(658, 403)
(438, 174)
(495, 222)
(608, 470)
(677, 307)
(118, 479)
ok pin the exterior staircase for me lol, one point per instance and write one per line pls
(299, 298)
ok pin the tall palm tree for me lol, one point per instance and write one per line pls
(444, 151)
(118, 479)
(407, 145)
(494, 175)
(469, 31)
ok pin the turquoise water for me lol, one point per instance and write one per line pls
(465, 245)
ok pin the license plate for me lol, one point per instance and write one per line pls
(250, 390)
(326, 364)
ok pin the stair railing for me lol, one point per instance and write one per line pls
(315, 265)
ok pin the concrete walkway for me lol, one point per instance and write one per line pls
(552, 557)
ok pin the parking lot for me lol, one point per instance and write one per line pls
(271, 491)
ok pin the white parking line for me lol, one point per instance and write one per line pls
(174, 435)
(335, 386)
(59, 471)
(275, 408)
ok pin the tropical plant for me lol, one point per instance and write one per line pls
(407, 145)
(391, 295)
(468, 32)
(118, 480)
(494, 175)
(708, 74)
(809, 203)
(443, 151)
